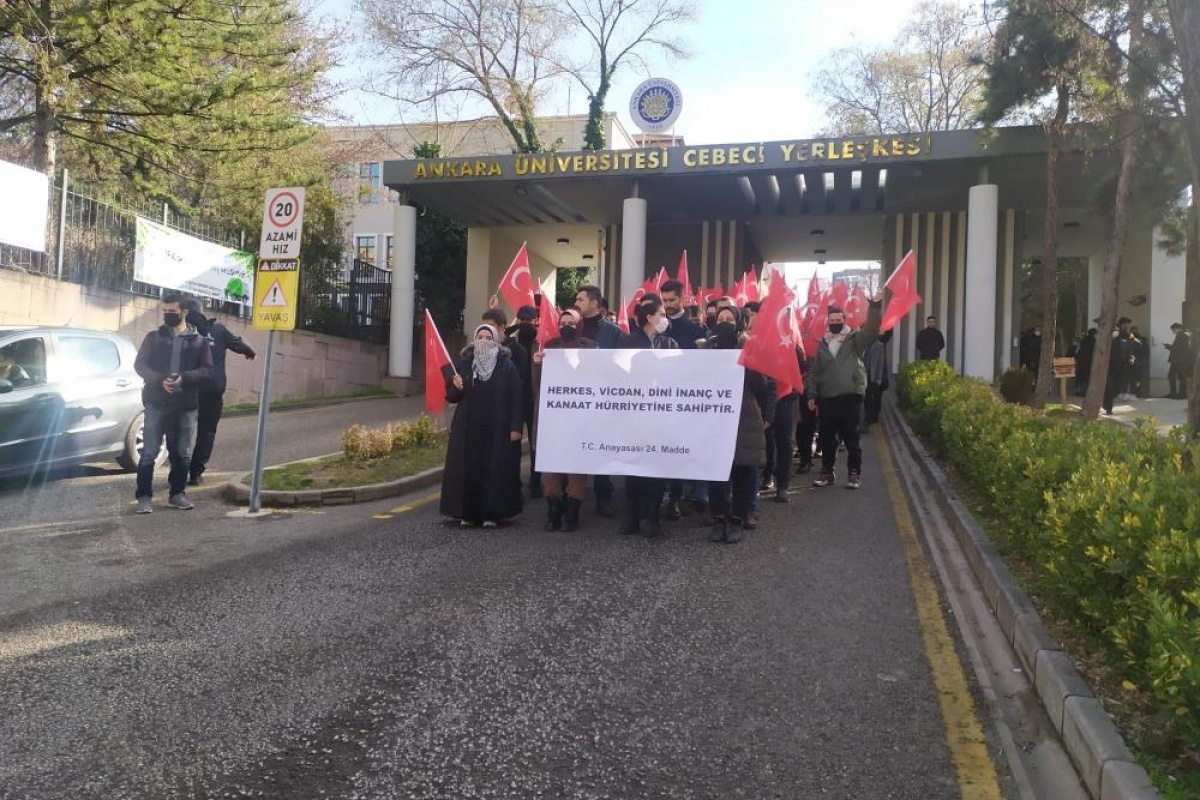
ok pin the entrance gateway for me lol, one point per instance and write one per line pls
(970, 203)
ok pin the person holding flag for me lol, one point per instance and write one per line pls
(836, 386)
(564, 493)
(481, 484)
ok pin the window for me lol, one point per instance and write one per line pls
(389, 251)
(372, 180)
(364, 248)
(23, 362)
(86, 356)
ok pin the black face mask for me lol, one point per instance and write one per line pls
(198, 322)
(568, 333)
(727, 335)
(710, 320)
(171, 319)
(836, 327)
(526, 332)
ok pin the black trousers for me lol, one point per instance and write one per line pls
(211, 406)
(780, 442)
(1177, 378)
(873, 403)
(643, 496)
(742, 479)
(806, 431)
(840, 417)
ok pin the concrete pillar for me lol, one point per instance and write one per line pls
(404, 270)
(960, 289)
(979, 347)
(633, 248)
(479, 286)
(1167, 290)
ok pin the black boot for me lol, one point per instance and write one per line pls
(571, 508)
(734, 532)
(631, 526)
(554, 513)
(720, 530)
(535, 486)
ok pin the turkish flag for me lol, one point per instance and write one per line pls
(856, 308)
(437, 358)
(903, 286)
(814, 291)
(771, 347)
(661, 278)
(750, 285)
(739, 292)
(516, 287)
(623, 316)
(547, 322)
(683, 277)
(839, 295)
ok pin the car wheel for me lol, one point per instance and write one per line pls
(134, 440)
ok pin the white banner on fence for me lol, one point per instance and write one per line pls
(24, 206)
(173, 260)
(654, 413)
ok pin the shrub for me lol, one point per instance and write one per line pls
(363, 444)
(1018, 385)
(1108, 520)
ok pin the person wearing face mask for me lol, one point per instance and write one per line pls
(174, 361)
(686, 333)
(750, 451)
(710, 316)
(481, 484)
(513, 339)
(836, 387)
(591, 305)
(564, 493)
(644, 495)
(212, 391)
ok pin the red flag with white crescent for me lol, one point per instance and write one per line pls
(903, 286)
(437, 358)
(623, 316)
(517, 285)
(770, 348)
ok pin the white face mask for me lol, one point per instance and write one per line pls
(661, 324)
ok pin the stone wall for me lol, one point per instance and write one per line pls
(305, 364)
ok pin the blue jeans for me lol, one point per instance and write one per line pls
(179, 429)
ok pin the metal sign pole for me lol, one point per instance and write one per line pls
(264, 406)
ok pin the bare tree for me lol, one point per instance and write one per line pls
(620, 31)
(495, 51)
(930, 79)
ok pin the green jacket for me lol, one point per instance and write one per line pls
(845, 373)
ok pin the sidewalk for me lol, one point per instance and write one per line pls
(1165, 413)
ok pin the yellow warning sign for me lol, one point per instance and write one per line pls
(276, 288)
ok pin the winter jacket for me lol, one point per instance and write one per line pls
(758, 404)
(220, 340)
(685, 332)
(638, 340)
(1181, 350)
(154, 365)
(605, 334)
(875, 361)
(845, 373)
(558, 343)
(930, 343)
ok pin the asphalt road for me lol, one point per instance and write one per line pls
(99, 491)
(334, 654)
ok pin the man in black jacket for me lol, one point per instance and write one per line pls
(174, 361)
(1180, 363)
(930, 342)
(212, 391)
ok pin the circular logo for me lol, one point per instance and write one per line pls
(655, 105)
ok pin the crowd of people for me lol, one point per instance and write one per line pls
(496, 382)
(1129, 363)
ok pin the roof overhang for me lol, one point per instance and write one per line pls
(754, 181)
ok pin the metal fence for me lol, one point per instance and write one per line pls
(351, 298)
(353, 301)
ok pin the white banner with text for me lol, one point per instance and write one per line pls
(173, 260)
(653, 413)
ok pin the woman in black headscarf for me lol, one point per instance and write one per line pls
(481, 484)
(750, 451)
(643, 496)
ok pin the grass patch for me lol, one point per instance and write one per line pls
(313, 399)
(335, 472)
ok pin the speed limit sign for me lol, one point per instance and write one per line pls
(283, 220)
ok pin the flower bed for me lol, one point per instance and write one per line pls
(1105, 519)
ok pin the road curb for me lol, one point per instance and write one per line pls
(240, 493)
(1089, 735)
(250, 412)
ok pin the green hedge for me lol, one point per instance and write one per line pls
(1107, 518)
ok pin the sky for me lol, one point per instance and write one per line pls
(747, 80)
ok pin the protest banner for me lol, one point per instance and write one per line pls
(651, 413)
